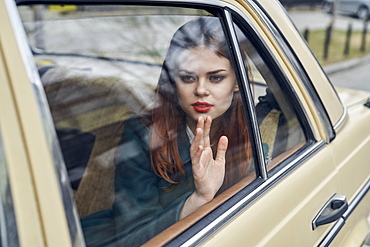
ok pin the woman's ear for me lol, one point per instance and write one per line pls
(236, 89)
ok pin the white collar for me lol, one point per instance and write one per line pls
(190, 134)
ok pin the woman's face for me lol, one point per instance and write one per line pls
(205, 83)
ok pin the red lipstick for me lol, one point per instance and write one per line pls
(201, 107)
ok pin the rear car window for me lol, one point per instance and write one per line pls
(120, 86)
(147, 106)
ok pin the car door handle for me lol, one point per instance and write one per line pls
(332, 211)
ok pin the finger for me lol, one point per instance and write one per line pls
(196, 158)
(200, 124)
(196, 142)
(221, 149)
(207, 129)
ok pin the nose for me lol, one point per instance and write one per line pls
(201, 89)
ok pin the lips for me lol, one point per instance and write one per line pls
(202, 107)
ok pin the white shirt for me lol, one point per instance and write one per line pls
(190, 134)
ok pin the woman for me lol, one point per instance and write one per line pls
(191, 147)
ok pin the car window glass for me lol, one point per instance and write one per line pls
(8, 224)
(126, 86)
(280, 129)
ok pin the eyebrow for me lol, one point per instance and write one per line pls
(209, 73)
(216, 71)
(186, 71)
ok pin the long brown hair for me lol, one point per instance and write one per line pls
(168, 116)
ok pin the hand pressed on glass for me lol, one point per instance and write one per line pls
(208, 173)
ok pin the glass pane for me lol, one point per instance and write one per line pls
(8, 224)
(280, 129)
(147, 110)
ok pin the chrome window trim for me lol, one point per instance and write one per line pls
(247, 90)
(356, 201)
(341, 122)
(333, 232)
(48, 125)
(330, 236)
(226, 217)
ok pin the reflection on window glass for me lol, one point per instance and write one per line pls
(280, 129)
(8, 225)
(147, 110)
